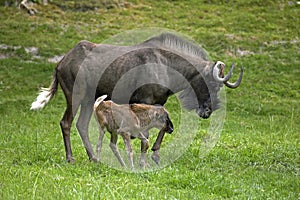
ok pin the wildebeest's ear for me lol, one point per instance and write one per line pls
(222, 68)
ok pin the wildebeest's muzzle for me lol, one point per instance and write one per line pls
(204, 111)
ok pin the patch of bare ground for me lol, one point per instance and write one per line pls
(9, 51)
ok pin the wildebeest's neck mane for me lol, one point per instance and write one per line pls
(175, 43)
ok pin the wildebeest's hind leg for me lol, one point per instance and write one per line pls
(67, 120)
(65, 125)
(114, 148)
(156, 146)
(82, 127)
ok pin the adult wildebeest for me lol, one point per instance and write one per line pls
(148, 73)
(129, 120)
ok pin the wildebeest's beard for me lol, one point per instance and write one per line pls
(210, 101)
(203, 101)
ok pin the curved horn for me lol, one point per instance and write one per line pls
(237, 83)
(216, 72)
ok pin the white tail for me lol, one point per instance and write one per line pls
(46, 94)
(43, 98)
(98, 101)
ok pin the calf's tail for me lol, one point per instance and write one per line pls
(98, 101)
(46, 94)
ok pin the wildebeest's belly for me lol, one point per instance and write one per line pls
(148, 94)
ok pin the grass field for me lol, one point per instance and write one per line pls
(258, 153)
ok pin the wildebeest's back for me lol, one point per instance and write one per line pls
(72, 61)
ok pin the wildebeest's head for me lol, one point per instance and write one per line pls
(206, 88)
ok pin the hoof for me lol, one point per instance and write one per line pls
(70, 160)
(144, 165)
(155, 157)
(94, 159)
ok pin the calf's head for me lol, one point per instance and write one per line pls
(161, 119)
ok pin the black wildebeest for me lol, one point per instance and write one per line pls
(148, 73)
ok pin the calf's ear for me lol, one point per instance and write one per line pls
(156, 114)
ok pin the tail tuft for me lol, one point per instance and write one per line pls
(98, 101)
(42, 99)
(46, 94)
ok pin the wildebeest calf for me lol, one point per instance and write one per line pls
(130, 121)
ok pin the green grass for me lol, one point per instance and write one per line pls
(257, 155)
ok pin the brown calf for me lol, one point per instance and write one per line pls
(133, 120)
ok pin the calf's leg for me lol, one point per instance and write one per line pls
(99, 143)
(144, 147)
(156, 146)
(126, 138)
(114, 148)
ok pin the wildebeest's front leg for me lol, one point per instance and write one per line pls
(82, 127)
(156, 146)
